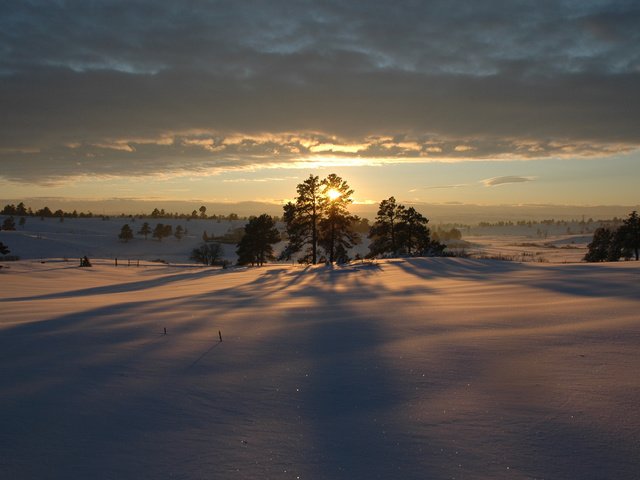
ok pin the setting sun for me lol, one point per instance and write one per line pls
(333, 194)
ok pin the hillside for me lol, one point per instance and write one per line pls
(97, 238)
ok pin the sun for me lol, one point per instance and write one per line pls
(333, 194)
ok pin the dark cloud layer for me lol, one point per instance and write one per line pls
(150, 86)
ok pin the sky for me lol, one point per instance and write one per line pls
(493, 103)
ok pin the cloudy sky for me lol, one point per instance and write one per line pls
(492, 102)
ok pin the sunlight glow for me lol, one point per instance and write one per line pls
(333, 194)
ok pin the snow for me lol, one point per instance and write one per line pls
(94, 237)
(398, 369)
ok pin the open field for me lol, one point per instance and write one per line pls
(409, 369)
(76, 237)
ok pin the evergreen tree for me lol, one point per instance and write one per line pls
(126, 233)
(144, 230)
(4, 250)
(628, 236)
(9, 210)
(384, 232)
(600, 246)
(413, 232)
(256, 246)
(22, 221)
(9, 224)
(207, 253)
(179, 233)
(302, 219)
(21, 210)
(336, 233)
(44, 212)
(203, 211)
(161, 230)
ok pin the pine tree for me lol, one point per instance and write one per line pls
(628, 235)
(302, 219)
(179, 233)
(336, 233)
(126, 233)
(160, 231)
(144, 230)
(256, 246)
(600, 246)
(9, 224)
(413, 232)
(21, 210)
(4, 250)
(384, 232)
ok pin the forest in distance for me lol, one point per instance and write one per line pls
(318, 227)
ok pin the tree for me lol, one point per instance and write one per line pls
(179, 233)
(256, 246)
(336, 234)
(4, 250)
(22, 221)
(9, 224)
(207, 253)
(203, 211)
(21, 210)
(401, 231)
(9, 210)
(599, 248)
(126, 233)
(610, 245)
(384, 232)
(302, 219)
(628, 236)
(161, 231)
(144, 230)
(413, 232)
(44, 212)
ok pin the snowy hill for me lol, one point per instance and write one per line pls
(97, 238)
(408, 369)
(94, 237)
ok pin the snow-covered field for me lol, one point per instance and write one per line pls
(408, 369)
(95, 237)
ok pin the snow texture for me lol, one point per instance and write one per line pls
(408, 369)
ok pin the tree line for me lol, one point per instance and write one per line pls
(21, 210)
(318, 227)
(610, 245)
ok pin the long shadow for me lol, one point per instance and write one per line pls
(93, 394)
(350, 392)
(589, 280)
(119, 287)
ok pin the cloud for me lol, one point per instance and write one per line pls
(440, 187)
(493, 182)
(211, 88)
